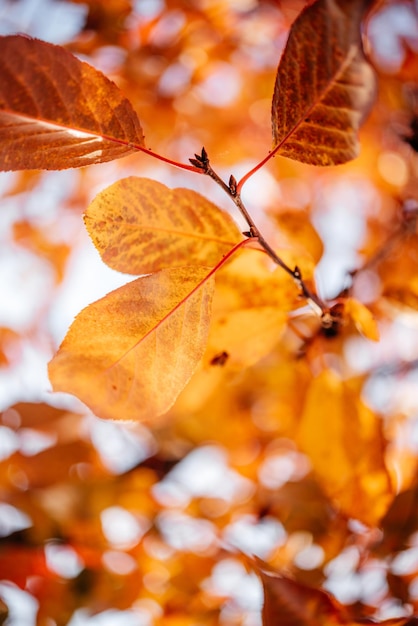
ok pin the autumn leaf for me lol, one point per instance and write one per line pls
(4, 612)
(141, 226)
(289, 603)
(343, 439)
(58, 112)
(362, 318)
(324, 86)
(128, 355)
(297, 228)
(250, 309)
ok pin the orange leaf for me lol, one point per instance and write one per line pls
(128, 355)
(57, 112)
(362, 318)
(324, 86)
(141, 226)
(288, 603)
(250, 309)
(343, 439)
(299, 231)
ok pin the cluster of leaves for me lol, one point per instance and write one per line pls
(222, 343)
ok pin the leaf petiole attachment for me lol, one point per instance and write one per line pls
(232, 189)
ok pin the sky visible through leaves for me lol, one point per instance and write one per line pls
(224, 508)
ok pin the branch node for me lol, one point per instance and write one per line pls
(297, 274)
(233, 185)
(201, 160)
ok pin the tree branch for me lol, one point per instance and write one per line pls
(201, 161)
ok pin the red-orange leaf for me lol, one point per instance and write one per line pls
(324, 86)
(140, 226)
(58, 112)
(128, 355)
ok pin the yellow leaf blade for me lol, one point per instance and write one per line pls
(343, 439)
(128, 355)
(362, 318)
(140, 226)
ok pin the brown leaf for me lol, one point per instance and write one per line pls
(338, 431)
(141, 226)
(128, 355)
(58, 112)
(288, 603)
(4, 612)
(324, 86)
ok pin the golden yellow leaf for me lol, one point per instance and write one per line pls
(324, 85)
(250, 308)
(362, 318)
(297, 228)
(343, 439)
(128, 355)
(140, 226)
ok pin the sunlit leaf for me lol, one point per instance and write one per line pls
(324, 86)
(297, 228)
(57, 111)
(141, 226)
(250, 310)
(362, 318)
(128, 355)
(337, 430)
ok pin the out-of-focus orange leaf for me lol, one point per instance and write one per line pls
(324, 86)
(288, 603)
(250, 308)
(299, 231)
(4, 612)
(362, 318)
(19, 562)
(141, 226)
(7, 338)
(128, 355)
(58, 112)
(35, 239)
(343, 439)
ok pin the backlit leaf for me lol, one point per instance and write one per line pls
(57, 111)
(324, 86)
(250, 308)
(338, 431)
(297, 227)
(141, 226)
(362, 318)
(128, 355)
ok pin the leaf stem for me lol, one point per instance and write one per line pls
(259, 165)
(232, 189)
(160, 157)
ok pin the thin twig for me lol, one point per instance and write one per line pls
(231, 189)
